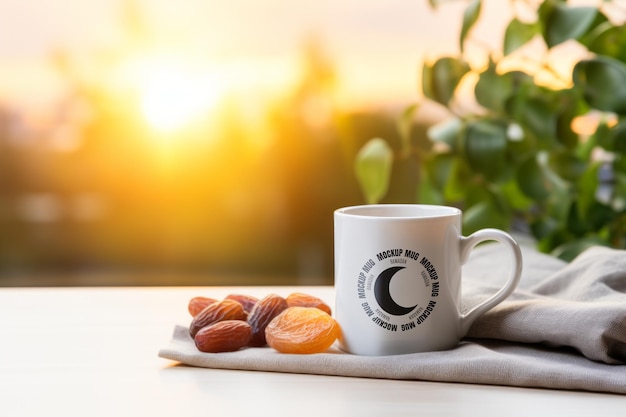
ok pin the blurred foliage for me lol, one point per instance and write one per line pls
(248, 190)
(534, 146)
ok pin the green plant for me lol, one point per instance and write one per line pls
(538, 145)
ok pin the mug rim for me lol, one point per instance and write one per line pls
(421, 211)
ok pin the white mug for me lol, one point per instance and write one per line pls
(398, 277)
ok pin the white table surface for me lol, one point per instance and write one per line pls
(93, 352)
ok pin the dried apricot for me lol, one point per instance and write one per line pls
(219, 311)
(299, 299)
(302, 330)
(197, 304)
(263, 312)
(223, 336)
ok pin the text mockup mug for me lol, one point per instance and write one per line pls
(398, 277)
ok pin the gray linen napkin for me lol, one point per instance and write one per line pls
(533, 339)
(581, 305)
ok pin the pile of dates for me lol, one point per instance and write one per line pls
(299, 323)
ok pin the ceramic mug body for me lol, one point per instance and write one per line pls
(398, 277)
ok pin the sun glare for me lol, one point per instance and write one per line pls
(173, 97)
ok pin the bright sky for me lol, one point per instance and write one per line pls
(376, 46)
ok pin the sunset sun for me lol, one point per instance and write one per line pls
(173, 97)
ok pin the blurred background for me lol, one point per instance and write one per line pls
(196, 142)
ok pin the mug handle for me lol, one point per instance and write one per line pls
(467, 244)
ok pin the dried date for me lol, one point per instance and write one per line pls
(223, 336)
(213, 313)
(197, 304)
(247, 301)
(263, 312)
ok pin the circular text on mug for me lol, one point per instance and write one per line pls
(397, 289)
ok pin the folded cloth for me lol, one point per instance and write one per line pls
(581, 305)
(533, 339)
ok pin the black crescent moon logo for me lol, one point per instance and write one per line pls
(383, 297)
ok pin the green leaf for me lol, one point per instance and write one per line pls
(545, 11)
(538, 116)
(447, 132)
(373, 169)
(575, 223)
(405, 126)
(596, 27)
(485, 148)
(519, 150)
(492, 89)
(470, 17)
(427, 81)
(564, 133)
(566, 164)
(532, 179)
(544, 227)
(439, 81)
(517, 34)
(564, 23)
(523, 88)
(427, 193)
(610, 40)
(514, 196)
(440, 168)
(570, 106)
(560, 196)
(458, 182)
(602, 81)
(604, 136)
(483, 215)
(586, 147)
(477, 192)
(598, 215)
(618, 138)
(448, 175)
(554, 239)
